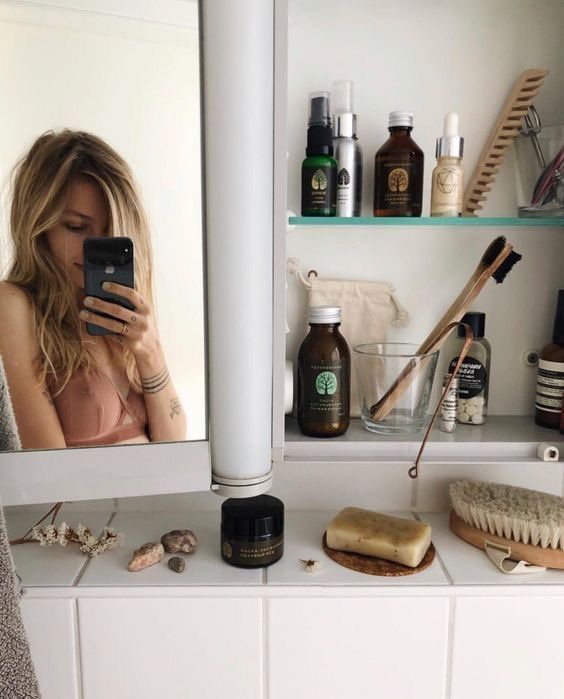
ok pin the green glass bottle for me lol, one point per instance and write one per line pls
(319, 169)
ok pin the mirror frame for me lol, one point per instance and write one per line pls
(236, 79)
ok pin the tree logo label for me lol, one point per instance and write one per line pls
(326, 383)
(343, 178)
(319, 180)
(398, 180)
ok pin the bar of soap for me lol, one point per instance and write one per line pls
(395, 539)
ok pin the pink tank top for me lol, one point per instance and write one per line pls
(92, 411)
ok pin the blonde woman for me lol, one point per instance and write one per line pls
(70, 388)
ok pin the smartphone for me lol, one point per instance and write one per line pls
(107, 260)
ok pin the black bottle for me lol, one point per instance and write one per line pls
(324, 371)
(550, 375)
(319, 169)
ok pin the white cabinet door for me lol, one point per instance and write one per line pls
(343, 648)
(508, 647)
(179, 648)
(50, 624)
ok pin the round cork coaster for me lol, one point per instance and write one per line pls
(376, 566)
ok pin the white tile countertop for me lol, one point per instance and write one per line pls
(457, 564)
(203, 567)
(302, 540)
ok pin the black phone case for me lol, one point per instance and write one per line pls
(107, 260)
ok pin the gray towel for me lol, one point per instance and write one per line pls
(17, 675)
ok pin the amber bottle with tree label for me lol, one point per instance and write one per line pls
(550, 377)
(398, 171)
(324, 371)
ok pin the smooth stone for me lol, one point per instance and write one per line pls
(177, 564)
(145, 556)
(179, 541)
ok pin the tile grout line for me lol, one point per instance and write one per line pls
(414, 492)
(86, 563)
(265, 607)
(78, 650)
(437, 556)
(450, 647)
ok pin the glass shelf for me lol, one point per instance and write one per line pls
(503, 438)
(330, 221)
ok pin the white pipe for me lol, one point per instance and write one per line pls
(238, 66)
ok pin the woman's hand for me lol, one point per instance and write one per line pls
(136, 329)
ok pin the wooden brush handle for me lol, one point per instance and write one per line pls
(437, 336)
(462, 302)
(506, 128)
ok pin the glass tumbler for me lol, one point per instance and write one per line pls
(378, 366)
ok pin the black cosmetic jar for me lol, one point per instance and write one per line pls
(252, 531)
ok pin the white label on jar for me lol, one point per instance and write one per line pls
(550, 386)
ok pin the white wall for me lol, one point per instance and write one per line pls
(431, 57)
(135, 83)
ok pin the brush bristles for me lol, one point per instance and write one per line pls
(523, 515)
(494, 249)
(506, 266)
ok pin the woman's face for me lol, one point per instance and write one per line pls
(86, 215)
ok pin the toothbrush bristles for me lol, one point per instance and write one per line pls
(506, 266)
(494, 249)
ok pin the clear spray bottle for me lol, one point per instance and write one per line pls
(348, 153)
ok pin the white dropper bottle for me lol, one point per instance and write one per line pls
(447, 191)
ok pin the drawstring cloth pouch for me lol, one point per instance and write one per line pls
(368, 309)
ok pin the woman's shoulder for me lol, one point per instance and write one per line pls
(15, 304)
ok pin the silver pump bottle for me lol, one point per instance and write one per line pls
(348, 153)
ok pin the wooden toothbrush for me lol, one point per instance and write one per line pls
(497, 261)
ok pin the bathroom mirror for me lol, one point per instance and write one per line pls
(124, 78)
(152, 109)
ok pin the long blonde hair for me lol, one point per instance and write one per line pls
(40, 185)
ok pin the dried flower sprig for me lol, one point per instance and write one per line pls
(64, 534)
(88, 543)
(311, 565)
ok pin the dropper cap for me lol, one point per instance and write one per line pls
(451, 144)
(558, 332)
(345, 119)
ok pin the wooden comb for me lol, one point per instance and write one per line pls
(505, 130)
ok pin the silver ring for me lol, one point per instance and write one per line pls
(124, 329)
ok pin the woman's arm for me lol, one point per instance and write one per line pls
(137, 330)
(36, 417)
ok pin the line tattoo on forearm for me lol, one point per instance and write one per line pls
(156, 383)
(175, 407)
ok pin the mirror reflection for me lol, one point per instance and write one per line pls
(101, 298)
